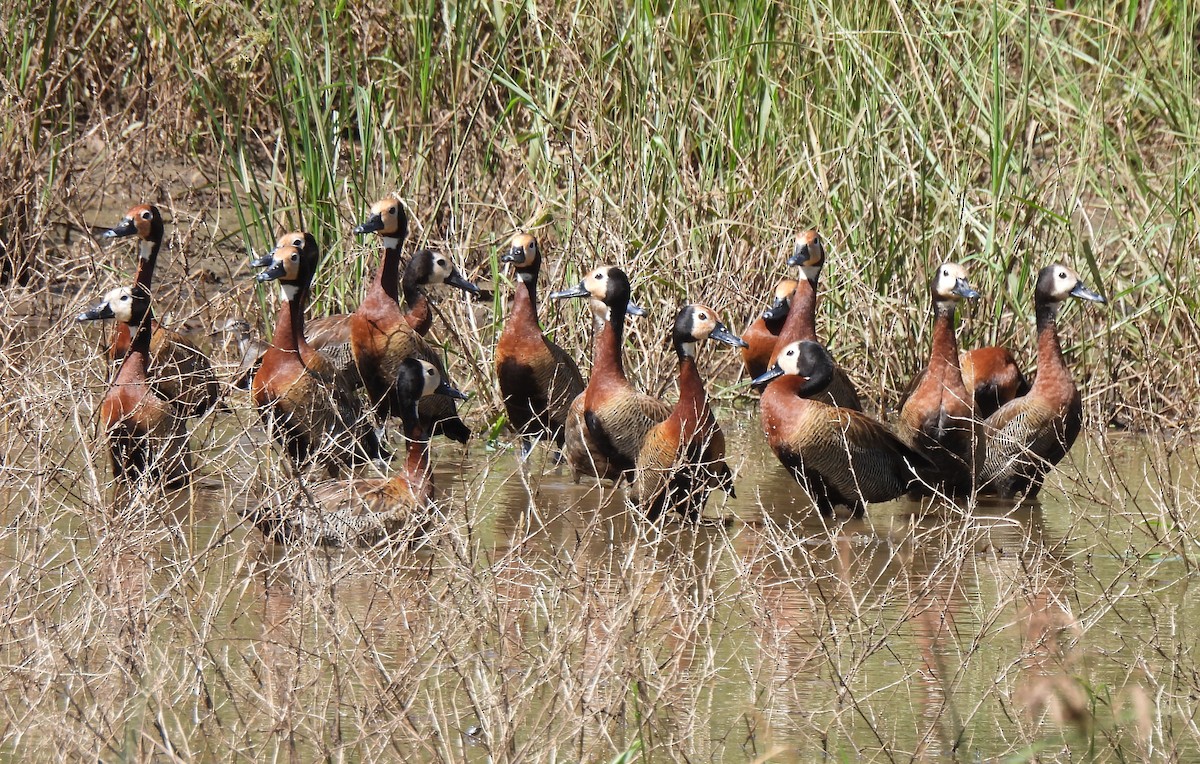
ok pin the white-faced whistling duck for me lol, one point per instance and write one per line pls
(808, 255)
(762, 335)
(329, 335)
(1027, 436)
(682, 459)
(840, 456)
(184, 373)
(424, 269)
(938, 418)
(298, 392)
(365, 511)
(147, 437)
(381, 337)
(538, 379)
(609, 420)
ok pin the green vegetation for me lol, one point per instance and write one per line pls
(687, 142)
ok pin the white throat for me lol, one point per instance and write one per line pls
(289, 292)
(145, 249)
(391, 242)
(689, 349)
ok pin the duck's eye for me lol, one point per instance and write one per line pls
(146, 215)
(599, 277)
(946, 273)
(125, 298)
(1062, 274)
(391, 210)
(297, 242)
(441, 263)
(295, 257)
(702, 316)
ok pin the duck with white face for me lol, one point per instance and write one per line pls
(185, 373)
(145, 428)
(538, 379)
(1028, 436)
(381, 335)
(299, 393)
(608, 421)
(938, 418)
(682, 459)
(840, 456)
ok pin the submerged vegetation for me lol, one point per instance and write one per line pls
(687, 143)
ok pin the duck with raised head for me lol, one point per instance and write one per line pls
(381, 337)
(1027, 436)
(840, 456)
(682, 458)
(608, 421)
(362, 511)
(184, 373)
(147, 435)
(299, 394)
(808, 254)
(538, 379)
(762, 335)
(938, 419)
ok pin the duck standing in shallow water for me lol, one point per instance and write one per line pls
(608, 421)
(682, 459)
(538, 379)
(367, 511)
(1026, 437)
(762, 335)
(808, 255)
(381, 337)
(147, 435)
(298, 392)
(938, 418)
(839, 455)
(184, 373)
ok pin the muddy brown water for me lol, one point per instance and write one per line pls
(542, 620)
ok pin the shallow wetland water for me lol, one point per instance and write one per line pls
(561, 628)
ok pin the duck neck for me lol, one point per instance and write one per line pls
(418, 313)
(416, 461)
(289, 326)
(609, 361)
(1052, 369)
(387, 278)
(147, 259)
(944, 353)
(137, 359)
(692, 398)
(801, 322)
(524, 304)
